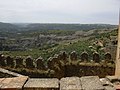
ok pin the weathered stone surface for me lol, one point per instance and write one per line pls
(73, 55)
(49, 63)
(2, 60)
(70, 83)
(108, 57)
(42, 84)
(115, 81)
(19, 62)
(4, 83)
(29, 62)
(1, 79)
(13, 74)
(10, 61)
(117, 87)
(84, 56)
(113, 78)
(54, 60)
(109, 88)
(107, 84)
(91, 83)
(15, 83)
(96, 57)
(63, 56)
(40, 63)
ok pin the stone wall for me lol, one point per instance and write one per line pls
(60, 65)
(7, 74)
(66, 83)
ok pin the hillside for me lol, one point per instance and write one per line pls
(47, 39)
(38, 26)
(7, 27)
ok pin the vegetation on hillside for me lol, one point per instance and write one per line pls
(65, 37)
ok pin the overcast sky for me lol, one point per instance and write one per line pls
(59, 11)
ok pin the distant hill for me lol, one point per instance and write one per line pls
(38, 26)
(68, 26)
(8, 27)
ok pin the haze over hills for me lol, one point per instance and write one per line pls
(51, 26)
(8, 27)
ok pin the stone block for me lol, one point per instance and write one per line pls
(40, 63)
(107, 84)
(70, 83)
(73, 55)
(113, 78)
(63, 56)
(29, 62)
(108, 56)
(15, 83)
(91, 83)
(84, 56)
(19, 62)
(10, 61)
(96, 57)
(42, 84)
(2, 60)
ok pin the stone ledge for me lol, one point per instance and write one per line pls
(70, 83)
(14, 83)
(91, 83)
(66, 83)
(12, 74)
(42, 83)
